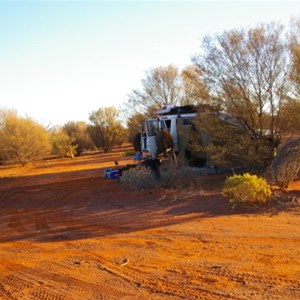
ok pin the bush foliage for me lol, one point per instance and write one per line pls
(106, 130)
(62, 144)
(22, 140)
(247, 188)
(139, 178)
(181, 177)
(143, 177)
(286, 165)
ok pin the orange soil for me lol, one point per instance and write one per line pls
(68, 233)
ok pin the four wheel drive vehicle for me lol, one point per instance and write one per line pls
(164, 133)
(174, 131)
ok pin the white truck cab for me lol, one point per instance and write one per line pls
(167, 119)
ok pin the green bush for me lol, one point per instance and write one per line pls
(247, 188)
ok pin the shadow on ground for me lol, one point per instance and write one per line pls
(95, 207)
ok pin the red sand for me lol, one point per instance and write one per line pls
(68, 233)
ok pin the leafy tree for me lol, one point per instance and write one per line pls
(166, 86)
(134, 129)
(194, 90)
(4, 113)
(161, 87)
(22, 139)
(106, 130)
(295, 56)
(289, 115)
(79, 136)
(246, 71)
(62, 143)
(289, 118)
(226, 142)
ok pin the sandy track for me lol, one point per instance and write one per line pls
(67, 233)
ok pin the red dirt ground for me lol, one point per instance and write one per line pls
(68, 233)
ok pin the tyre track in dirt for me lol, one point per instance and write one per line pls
(24, 285)
(16, 283)
(250, 281)
(44, 294)
(91, 273)
(283, 288)
(158, 285)
(255, 278)
(5, 295)
(58, 283)
(67, 273)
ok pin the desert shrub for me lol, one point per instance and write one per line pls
(246, 188)
(106, 130)
(22, 140)
(62, 144)
(286, 165)
(180, 177)
(140, 177)
(172, 177)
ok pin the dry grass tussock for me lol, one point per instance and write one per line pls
(171, 178)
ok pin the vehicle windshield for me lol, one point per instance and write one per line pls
(152, 127)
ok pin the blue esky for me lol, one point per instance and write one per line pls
(59, 60)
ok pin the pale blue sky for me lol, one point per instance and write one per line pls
(61, 60)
